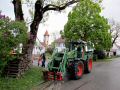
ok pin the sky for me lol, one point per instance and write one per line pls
(56, 21)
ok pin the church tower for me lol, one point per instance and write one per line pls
(46, 38)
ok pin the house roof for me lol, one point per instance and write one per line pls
(60, 40)
(46, 33)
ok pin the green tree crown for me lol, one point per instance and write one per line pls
(86, 23)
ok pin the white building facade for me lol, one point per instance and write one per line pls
(60, 44)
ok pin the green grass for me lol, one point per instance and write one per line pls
(32, 78)
(107, 59)
(103, 60)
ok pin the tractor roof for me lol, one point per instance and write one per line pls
(78, 42)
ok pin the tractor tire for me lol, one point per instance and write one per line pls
(88, 66)
(70, 70)
(78, 70)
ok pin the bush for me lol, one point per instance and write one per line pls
(49, 50)
(98, 54)
(12, 34)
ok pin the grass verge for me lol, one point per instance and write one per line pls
(30, 79)
(106, 59)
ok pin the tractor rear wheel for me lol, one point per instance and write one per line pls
(88, 66)
(78, 70)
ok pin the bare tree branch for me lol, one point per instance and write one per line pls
(115, 31)
(58, 8)
(114, 39)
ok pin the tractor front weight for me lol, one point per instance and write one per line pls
(52, 75)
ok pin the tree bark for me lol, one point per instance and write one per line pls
(34, 29)
(18, 10)
(114, 39)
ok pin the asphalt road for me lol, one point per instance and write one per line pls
(104, 76)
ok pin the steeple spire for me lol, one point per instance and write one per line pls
(46, 33)
(46, 38)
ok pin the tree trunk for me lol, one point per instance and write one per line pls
(33, 31)
(18, 10)
(31, 41)
(28, 47)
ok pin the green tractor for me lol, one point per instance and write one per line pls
(70, 63)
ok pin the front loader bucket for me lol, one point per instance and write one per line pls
(52, 75)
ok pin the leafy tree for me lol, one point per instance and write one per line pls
(12, 34)
(86, 23)
(40, 8)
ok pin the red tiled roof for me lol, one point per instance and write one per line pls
(46, 33)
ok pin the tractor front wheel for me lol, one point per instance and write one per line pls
(78, 70)
(88, 66)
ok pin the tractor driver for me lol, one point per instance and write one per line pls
(80, 51)
(79, 55)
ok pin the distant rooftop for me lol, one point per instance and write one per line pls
(46, 33)
(60, 40)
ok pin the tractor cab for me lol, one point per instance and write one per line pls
(77, 49)
(81, 49)
(78, 44)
